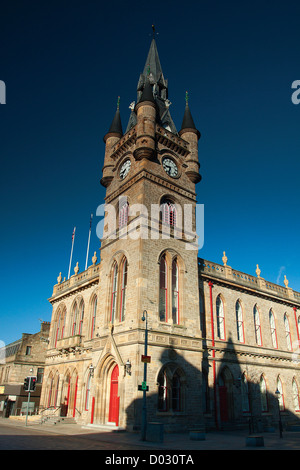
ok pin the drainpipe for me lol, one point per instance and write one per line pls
(213, 352)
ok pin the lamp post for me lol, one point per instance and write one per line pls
(144, 411)
(278, 395)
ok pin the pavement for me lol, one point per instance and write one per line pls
(176, 442)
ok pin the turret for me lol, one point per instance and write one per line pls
(111, 138)
(146, 120)
(190, 133)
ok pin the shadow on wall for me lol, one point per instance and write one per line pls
(184, 400)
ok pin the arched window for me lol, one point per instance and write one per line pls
(123, 214)
(245, 394)
(94, 313)
(169, 213)
(59, 325)
(81, 316)
(287, 332)
(87, 392)
(163, 289)
(75, 319)
(273, 329)
(257, 327)
(175, 292)
(263, 394)
(50, 390)
(176, 392)
(280, 396)
(123, 291)
(295, 395)
(239, 322)
(114, 293)
(162, 391)
(56, 381)
(220, 318)
(170, 389)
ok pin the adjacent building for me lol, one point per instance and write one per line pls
(22, 358)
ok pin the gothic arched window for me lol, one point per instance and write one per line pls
(175, 292)
(123, 214)
(287, 332)
(295, 395)
(220, 318)
(245, 394)
(170, 389)
(273, 329)
(263, 394)
(114, 293)
(94, 313)
(257, 327)
(169, 213)
(163, 289)
(239, 322)
(123, 290)
(280, 395)
(81, 317)
(74, 319)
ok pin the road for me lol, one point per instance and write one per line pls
(26, 438)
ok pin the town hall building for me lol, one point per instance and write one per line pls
(222, 345)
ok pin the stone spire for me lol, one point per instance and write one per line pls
(116, 125)
(153, 74)
(188, 121)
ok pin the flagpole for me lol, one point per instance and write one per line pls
(88, 247)
(73, 237)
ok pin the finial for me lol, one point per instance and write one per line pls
(258, 271)
(94, 258)
(224, 259)
(59, 278)
(187, 98)
(153, 31)
(76, 269)
(118, 103)
(286, 282)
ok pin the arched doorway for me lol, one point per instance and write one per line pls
(114, 399)
(225, 395)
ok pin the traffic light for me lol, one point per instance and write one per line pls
(29, 384)
(32, 384)
(26, 384)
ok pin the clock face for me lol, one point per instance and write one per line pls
(125, 169)
(170, 167)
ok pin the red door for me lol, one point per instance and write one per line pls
(223, 403)
(113, 416)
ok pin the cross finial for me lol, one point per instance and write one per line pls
(118, 103)
(186, 97)
(154, 33)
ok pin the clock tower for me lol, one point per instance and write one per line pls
(149, 259)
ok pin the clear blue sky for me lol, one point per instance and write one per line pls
(65, 63)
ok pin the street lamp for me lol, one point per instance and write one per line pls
(128, 367)
(278, 395)
(144, 411)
